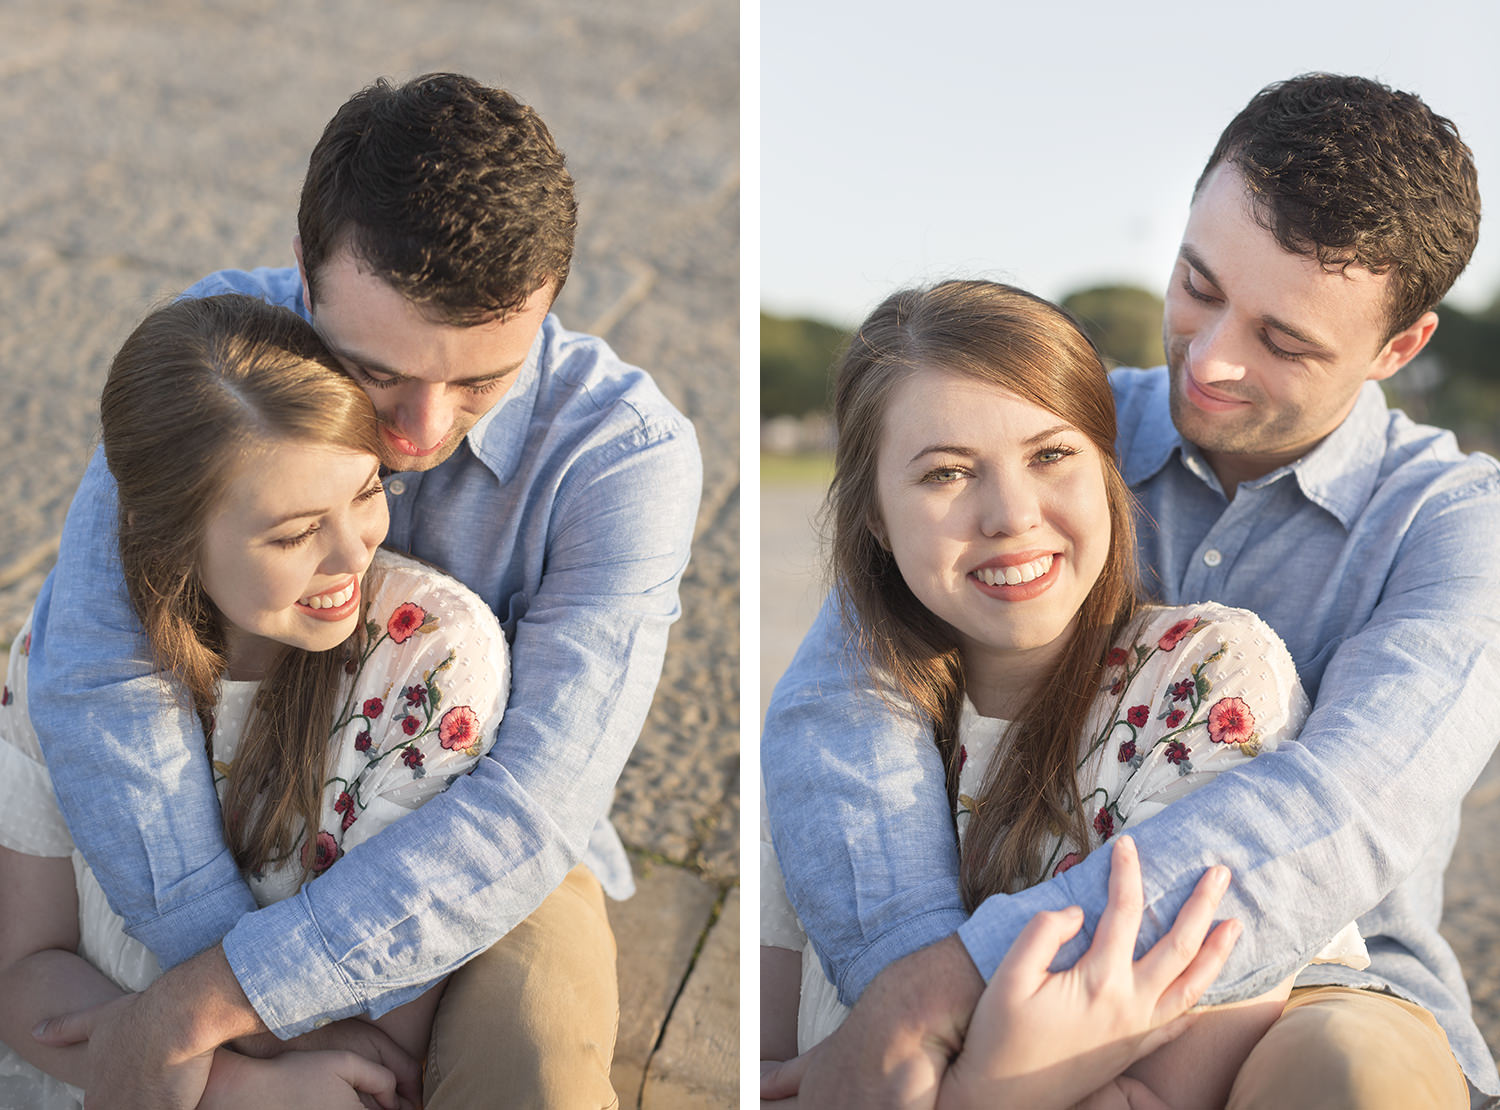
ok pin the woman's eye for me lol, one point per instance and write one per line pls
(942, 475)
(374, 491)
(300, 538)
(1056, 453)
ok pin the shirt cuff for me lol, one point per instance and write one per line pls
(181, 933)
(906, 938)
(286, 971)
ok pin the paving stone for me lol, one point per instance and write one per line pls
(657, 932)
(697, 1065)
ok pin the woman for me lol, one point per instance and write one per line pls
(983, 553)
(338, 686)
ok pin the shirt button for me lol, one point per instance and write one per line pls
(1211, 557)
(396, 486)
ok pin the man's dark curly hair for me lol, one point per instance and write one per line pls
(1351, 172)
(450, 191)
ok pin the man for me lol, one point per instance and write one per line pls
(1330, 220)
(435, 229)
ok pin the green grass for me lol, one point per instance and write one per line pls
(796, 470)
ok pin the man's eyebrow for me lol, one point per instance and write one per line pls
(1195, 260)
(375, 365)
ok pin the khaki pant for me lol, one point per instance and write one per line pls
(1335, 1048)
(532, 1021)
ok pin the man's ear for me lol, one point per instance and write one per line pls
(302, 271)
(1402, 347)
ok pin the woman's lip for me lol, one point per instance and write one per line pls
(1018, 559)
(1021, 591)
(406, 446)
(342, 612)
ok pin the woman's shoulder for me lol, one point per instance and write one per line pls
(404, 590)
(1167, 626)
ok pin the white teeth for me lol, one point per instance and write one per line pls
(1014, 576)
(329, 601)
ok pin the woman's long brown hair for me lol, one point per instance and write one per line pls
(197, 388)
(1021, 344)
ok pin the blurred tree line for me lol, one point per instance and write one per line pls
(1454, 383)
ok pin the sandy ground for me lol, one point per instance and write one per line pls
(791, 590)
(148, 145)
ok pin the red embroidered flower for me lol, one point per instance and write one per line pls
(319, 854)
(1177, 752)
(415, 695)
(407, 618)
(1066, 862)
(1175, 717)
(26, 645)
(374, 707)
(351, 665)
(362, 741)
(1116, 657)
(1138, 715)
(412, 757)
(1230, 722)
(963, 756)
(1104, 823)
(1174, 635)
(459, 729)
(345, 802)
(409, 725)
(1117, 686)
(1127, 751)
(1183, 690)
(5, 695)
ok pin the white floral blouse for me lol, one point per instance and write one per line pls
(419, 706)
(1192, 691)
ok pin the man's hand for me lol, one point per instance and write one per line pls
(1043, 1039)
(153, 1050)
(115, 1032)
(893, 1048)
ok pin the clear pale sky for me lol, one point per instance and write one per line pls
(1056, 149)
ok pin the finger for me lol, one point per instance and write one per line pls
(1184, 941)
(1184, 991)
(1120, 924)
(369, 1078)
(784, 1079)
(1025, 967)
(65, 1029)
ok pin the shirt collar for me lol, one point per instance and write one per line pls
(1341, 472)
(499, 436)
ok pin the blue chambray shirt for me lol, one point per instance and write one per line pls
(569, 509)
(1373, 557)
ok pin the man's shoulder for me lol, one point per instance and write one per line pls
(584, 385)
(1424, 463)
(275, 285)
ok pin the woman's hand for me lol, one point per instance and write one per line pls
(1044, 1039)
(327, 1080)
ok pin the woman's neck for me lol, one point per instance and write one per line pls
(248, 658)
(1001, 682)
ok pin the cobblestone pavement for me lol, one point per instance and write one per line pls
(147, 145)
(791, 591)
